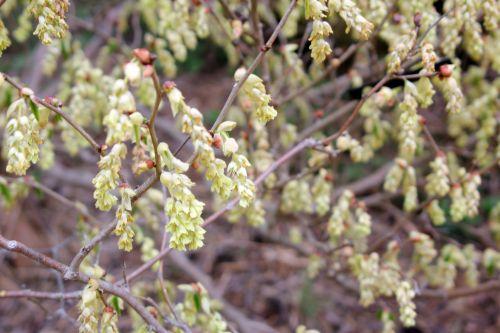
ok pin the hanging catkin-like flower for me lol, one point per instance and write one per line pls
(4, 37)
(436, 213)
(438, 183)
(409, 122)
(320, 48)
(125, 219)
(351, 14)
(321, 192)
(22, 137)
(117, 121)
(90, 305)
(451, 90)
(50, 15)
(185, 225)
(400, 52)
(296, 197)
(405, 296)
(429, 57)
(471, 193)
(255, 91)
(424, 249)
(315, 9)
(108, 177)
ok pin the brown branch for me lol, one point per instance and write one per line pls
(18, 247)
(39, 294)
(487, 287)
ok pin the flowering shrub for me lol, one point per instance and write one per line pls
(360, 136)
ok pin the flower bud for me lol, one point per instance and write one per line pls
(144, 56)
(217, 141)
(445, 71)
(137, 118)
(132, 73)
(230, 146)
(27, 92)
(226, 126)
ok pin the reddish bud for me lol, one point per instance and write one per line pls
(417, 19)
(335, 62)
(422, 121)
(445, 71)
(168, 86)
(150, 164)
(244, 135)
(328, 177)
(217, 141)
(109, 309)
(195, 165)
(144, 56)
(397, 18)
(148, 71)
(319, 114)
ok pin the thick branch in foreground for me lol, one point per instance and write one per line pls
(18, 247)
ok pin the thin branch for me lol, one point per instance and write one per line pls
(239, 84)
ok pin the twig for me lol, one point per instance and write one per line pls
(239, 84)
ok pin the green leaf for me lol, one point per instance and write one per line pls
(197, 301)
(34, 109)
(116, 305)
(307, 8)
(5, 191)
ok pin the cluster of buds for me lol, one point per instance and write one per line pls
(125, 219)
(254, 91)
(316, 10)
(50, 15)
(22, 136)
(108, 177)
(351, 14)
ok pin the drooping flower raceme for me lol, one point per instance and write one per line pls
(125, 219)
(438, 183)
(22, 137)
(351, 14)
(108, 177)
(50, 15)
(185, 225)
(254, 90)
